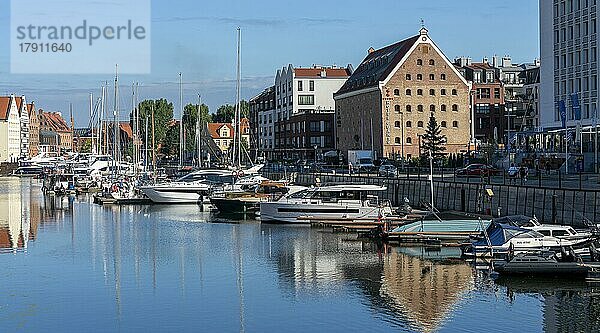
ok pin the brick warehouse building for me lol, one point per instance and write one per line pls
(387, 101)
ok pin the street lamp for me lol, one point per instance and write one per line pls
(316, 147)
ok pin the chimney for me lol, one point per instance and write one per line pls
(469, 61)
(506, 61)
(371, 50)
(485, 60)
(495, 61)
(323, 72)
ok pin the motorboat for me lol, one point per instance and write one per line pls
(498, 239)
(29, 170)
(542, 263)
(438, 229)
(563, 232)
(344, 202)
(249, 198)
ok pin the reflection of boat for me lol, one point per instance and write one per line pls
(347, 202)
(545, 263)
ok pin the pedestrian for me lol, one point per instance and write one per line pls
(513, 172)
(548, 168)
(350, 167)
(523, 171)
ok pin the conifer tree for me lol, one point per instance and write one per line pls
(433, 139)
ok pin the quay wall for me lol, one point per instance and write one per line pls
(549, 205)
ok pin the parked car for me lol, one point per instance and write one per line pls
(477, 170)
(388, 170)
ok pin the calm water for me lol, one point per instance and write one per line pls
(68, 265)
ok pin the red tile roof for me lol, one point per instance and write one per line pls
(125, 126)
(55, 121)
(316, 72)
(214, 127)
(4, 107)
(30, 109)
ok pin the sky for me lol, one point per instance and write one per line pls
(198, 39)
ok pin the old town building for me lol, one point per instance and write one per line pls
(55, 134)
(10, 129)
(34, 129)
(386, 103)
(223, 134)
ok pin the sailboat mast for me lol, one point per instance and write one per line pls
(198, 130)
(134, 129)
(238, 131)
(93, 145)
(115, 120)
(181, 120)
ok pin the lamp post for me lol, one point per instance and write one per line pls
(316, 147)
(402, 137)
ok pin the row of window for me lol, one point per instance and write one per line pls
(420, 62)
(443, 92)
(576, 58)
(575, 31)
(420, 124)
(568, 6)
(576, 85)
(311, 85)
(420, 77)
(432, 108)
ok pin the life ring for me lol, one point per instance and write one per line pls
(240, 173)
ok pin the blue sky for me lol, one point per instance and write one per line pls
(199, 40)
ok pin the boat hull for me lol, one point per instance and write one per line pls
(235, 206)
(175, 196)
(284, 212)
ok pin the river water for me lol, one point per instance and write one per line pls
(68, 265)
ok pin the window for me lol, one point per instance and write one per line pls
(432, 108)
(419, 77)
(397, 108)
(408, 108)
(431, 77)
(454, 92)
(454, 107)
(443, 77)
(409, 123)
(443, 107)
(315, 126)
(397, 140)
(408, 77)
(396, 92)
(311, 85)
(443, 124)
(420, 124)
(420, 108)
(408, 92)
(431, 62)
(299, 85)
(409, 141)
(420, 92)
(419, 62)
(397, 124)
(496, 93)
(455, 124)
(443, 92)
(306, 99)
(431, 92)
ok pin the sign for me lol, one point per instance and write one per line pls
(576, 106)
(563, 113)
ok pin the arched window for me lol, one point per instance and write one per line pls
(420, 124)
(396, 92)
(432, 108)
(420, 108)
(442, 76)
(419, 77)
(455, 123)
(420, 92)
(397, 108)
(443, 124)
(454, 92)
(408, 92)
(431, 62)
(397, 140)
(397, 124)
(408, 77)
(419, 62)
(454, 107)
(431, 92)
(408, 108)
(409, 140)
(443, 107)
(431, 77)
(409, 123)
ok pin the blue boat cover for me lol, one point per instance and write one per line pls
(499, 233)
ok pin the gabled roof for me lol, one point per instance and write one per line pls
(30, 108)
(4, 107)
(378, 65)
(317, 72)
(55, 121)
(125, 126)
(213, 129)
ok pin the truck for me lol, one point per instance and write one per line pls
(361, 160)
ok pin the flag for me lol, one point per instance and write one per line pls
(563, 113)
(576, 106)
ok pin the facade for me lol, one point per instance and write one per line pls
(223, 134)
(24, 120)
(52, 124)
(262, 109)
(34, 130)
(10, 129)
(569, 60)
(301, 95)
(487, 99)
(386, 103)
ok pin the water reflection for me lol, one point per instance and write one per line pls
(167, 268)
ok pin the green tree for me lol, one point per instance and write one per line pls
(433, 139)
(226, 113)
(170, 143)
(163, 115)
(190, 118)
(86, 147)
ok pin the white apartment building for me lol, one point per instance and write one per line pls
(10, 129)
(569, 60)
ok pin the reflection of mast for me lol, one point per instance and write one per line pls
(117, 261)
(239, 275)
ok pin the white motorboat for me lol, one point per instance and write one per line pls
(562, 232)
(191, 188)
(344, 202)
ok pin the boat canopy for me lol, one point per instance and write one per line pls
(350, 187)
(444, 226)
(500, 233)
(517, 221)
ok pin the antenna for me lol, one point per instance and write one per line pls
(422, 23)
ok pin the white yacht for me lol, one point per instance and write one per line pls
(562, 232)
(194, 187)
(347, 202)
